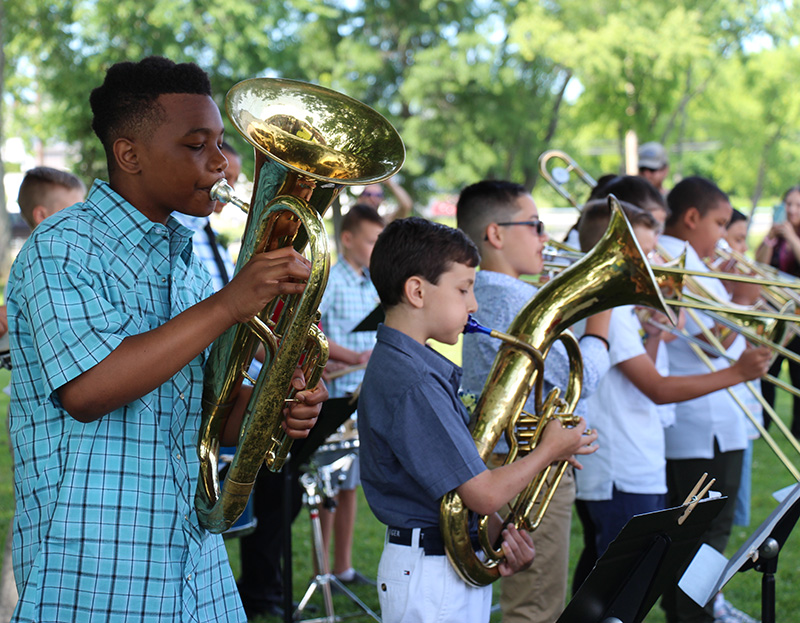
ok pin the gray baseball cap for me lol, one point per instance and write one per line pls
(652, 156)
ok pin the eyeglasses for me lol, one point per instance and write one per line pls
(535, 223)
(367, 193)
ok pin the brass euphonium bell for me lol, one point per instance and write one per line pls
(614, 273)
(309, 143)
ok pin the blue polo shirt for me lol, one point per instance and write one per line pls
(415, 444)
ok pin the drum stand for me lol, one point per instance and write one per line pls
(315, 480)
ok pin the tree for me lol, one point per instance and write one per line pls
(639, 64)
(755, 118)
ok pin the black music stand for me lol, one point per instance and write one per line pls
(371, 321)
(333, 414)
(709, 571)
(639, 563)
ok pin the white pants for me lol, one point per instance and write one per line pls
(414, 588)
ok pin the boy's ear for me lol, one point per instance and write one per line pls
(39, 213)
(347, 239)
(691, 218)
(493, 236)
(414, 291)
(126, 155)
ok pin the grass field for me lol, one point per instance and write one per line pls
(744, 590)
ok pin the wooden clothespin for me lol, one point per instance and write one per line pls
(694, 497)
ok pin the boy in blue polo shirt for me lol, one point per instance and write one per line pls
(415, 443)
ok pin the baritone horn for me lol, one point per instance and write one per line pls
(614, 273)
(309, 143)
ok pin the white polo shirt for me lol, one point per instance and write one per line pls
(716, 415)
(631, 436)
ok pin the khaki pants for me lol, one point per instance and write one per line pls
(538, 594)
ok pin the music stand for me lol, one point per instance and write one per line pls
(709, 571)
(639, 563)
(334, 413)
(371, 321)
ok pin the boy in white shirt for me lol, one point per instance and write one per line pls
(709, 434)
(629, 478)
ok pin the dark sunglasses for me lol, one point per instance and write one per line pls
(535, 223)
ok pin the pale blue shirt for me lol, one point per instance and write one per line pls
(500, 298)
(203, 249)
(105, 527)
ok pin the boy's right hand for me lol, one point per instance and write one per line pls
(564, 442)
(753, 363)
(265, 276)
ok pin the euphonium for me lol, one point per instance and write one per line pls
(614, 273)
(309, 143)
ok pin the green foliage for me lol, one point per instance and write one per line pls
(477, 88)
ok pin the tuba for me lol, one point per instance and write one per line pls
(309, 143)
(614, 273)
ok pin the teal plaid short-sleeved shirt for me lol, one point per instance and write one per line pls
(105, 527)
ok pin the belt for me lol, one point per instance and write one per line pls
(430, 539)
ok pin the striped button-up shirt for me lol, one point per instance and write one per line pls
(105, 527)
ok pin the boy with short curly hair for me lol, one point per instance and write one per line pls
(110, 318)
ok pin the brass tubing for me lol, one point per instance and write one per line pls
(770, 411)
(672, 270)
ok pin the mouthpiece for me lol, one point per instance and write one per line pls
(222, 191)
(473, 326)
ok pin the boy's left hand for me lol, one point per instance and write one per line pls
(518, 549)
(299, 418)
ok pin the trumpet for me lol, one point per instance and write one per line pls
(309, 143)
(614, 273)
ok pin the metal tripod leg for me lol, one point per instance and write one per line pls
(325, 578)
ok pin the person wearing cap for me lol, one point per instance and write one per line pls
(654, 164)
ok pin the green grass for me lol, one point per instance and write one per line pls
(744, 590)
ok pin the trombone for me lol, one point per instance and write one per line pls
(775, 290)
(558, 177)
(716, 344)
(712, 339)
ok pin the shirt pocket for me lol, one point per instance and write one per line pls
(147, 304)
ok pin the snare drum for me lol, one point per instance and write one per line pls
(344, 441)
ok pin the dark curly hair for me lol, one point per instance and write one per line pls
(126, 103)
(693, 192)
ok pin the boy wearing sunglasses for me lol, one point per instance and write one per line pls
(503, 221)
